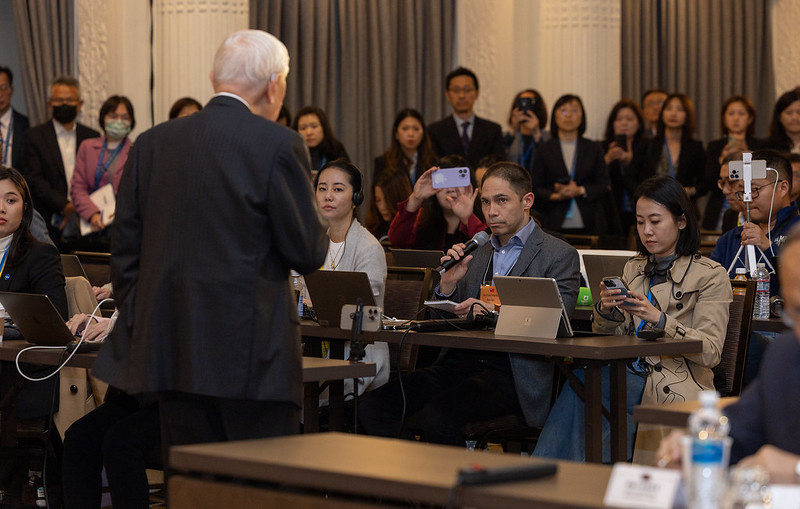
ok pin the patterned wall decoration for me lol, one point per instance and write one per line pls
(93, 65)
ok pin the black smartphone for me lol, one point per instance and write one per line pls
(622, 141)
(525, 104)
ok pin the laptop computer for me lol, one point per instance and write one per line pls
(599, 266)
(531, 307)
(37, 319)
(417, 258)
(331, 289)
(71, 266)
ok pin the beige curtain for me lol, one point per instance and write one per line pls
(45, 37)
(708, 49)
(363, 61)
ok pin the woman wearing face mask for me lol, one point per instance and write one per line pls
(100, 162)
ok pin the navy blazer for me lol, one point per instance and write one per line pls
(542, 256)
(213, 211)
(768, 411)
(44, 168)
(487, 139)
(591, 172)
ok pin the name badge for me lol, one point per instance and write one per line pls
(642, 487)
(490, 296)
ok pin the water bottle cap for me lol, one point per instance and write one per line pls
(760, 265)
(709, 398)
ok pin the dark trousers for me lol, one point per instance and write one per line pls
(193, 418)
(120, 435)
(459, 388)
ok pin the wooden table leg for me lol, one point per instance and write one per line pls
(311, 407)
(593, 412)
(619, 418)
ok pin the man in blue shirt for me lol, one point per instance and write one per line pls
(465, 386)
(771, 213)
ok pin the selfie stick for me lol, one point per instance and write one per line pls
(747, 198)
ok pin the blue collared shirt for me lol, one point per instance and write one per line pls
(505, 257)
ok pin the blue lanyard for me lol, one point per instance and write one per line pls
(572, 177)
(528, 153)
(650, 298)
(7, 141)
(102, 167)
(671, 166)
(3, 262)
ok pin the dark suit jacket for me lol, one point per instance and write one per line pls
(487, 138)
(44, 169)
(19, 127)
(212, 212)
(542, 256)
(768, 411)
(590, 171)
(39, 272)
(691, 165)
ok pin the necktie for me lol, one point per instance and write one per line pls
(465, 137)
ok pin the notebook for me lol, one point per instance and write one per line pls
(417, 258)
(599, 266)
(531, 307)
(331, 289)
(37, 319)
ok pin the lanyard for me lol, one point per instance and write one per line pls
(572, 202)
(527, 154)
(650, 298)
(6, 141)
(102, 167)
(670, 164)
(3, 262)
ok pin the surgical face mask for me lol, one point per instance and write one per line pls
(117, 129)
(65, 113)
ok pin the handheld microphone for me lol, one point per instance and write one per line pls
(477, 241)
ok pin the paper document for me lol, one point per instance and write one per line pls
(105, 200)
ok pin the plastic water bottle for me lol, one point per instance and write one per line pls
(761, 306)
(710, 450)
(297, 284)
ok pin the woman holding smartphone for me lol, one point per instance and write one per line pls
(624, 133)
(671, 291)
(436, 218)
(527, 118)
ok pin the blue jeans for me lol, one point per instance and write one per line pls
(563, 436)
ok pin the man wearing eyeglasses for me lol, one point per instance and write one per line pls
(463, 133)
(771, 215)
(50, 157)
(13, 124)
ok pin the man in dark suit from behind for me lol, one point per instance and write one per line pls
(465, 386)
(463, 132)
(49, 161)
(213, 211)
(13, 124)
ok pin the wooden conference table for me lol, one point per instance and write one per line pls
(321, 471)
(594, 352)
(315, 370)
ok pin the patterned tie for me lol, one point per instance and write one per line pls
(465, 137)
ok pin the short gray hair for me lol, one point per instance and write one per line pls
(67, 81)
(249, 58)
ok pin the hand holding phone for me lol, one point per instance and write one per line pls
(618, 298)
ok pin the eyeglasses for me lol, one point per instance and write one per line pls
(755, 190)
(5, 88)
(58, 101)
(569, 111)
(465, 90)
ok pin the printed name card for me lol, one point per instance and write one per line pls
(637, 486)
